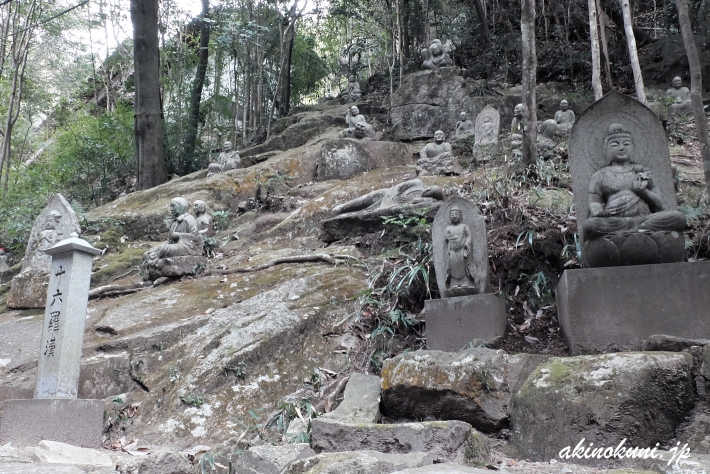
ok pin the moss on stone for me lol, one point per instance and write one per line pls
(477, 452)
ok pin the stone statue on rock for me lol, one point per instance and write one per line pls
(681, 95)
(464, 126)
(204, 222)
(547, 129)
(487, 127)
(408, 193)
(623, 186)
(56, 222)
(352, 91)
(435, 56)
(228, 159)
(357, 125)
(181, 254)
(564, 118)
(3, 260)
(437, 158)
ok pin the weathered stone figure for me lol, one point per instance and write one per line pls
(365, 131)
(409, 192)
(546, 137)
(56, 222)
(565, 118)
(623, 197)
(184, 238)
(3, 260)
(352, 91)
(205, 225)
(352, 118)
(464, 126)
(681, 107)
(517, 126)
(459, 278)
(435, 56)
(487, 126)
(437, 158)
(228, 160)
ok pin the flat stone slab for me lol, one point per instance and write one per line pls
(361, 401)
(62, 453)
(358, 462)
(453, 323)
(72, 421)
(446, 468)
(445, 440)
(615, 309)
(268, 459)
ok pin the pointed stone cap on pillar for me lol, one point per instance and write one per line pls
(72, 243)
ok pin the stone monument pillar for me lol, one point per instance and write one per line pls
(467, 311)
(55, 414)
(634, 284)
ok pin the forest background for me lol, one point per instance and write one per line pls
(227, 73)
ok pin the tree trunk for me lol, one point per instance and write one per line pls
(605, 47)
(696, 87)
(594, 36)
(633, 54)
(193, 119)
(483, 21)
(148, 120)
(527, 28)
(617, 17)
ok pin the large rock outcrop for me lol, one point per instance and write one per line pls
(475, 385)
(638, 396)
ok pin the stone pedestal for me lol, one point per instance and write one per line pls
(615, 309)
(71, 421)
(451, 323)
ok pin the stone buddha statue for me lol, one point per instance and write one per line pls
(352, 91)
(623, 198)
(3, 260)
(459, 277)
(437, 157)
(681, 107)
(46, 239)
(228, 160)
(517, 126)
(565, 118)
(464, 126)
(205, 225)
(184, 238)
(435, 56)
(352, 118)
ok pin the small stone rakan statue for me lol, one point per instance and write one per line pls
(3, 260)
(464, 126)
(435, 56)
(517, 126)
(352, 118)
(184, 238)
(205, 225)
(681, 107)
(459, 279)
(352, 91)
(228, 160)
(564, 118)
(437, 158)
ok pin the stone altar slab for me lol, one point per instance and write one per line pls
(615, 309)
(452, 323)
(76, 422)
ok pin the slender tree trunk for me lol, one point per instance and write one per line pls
(633, 53)
(193, 120)
(482, 20)
(148, 120)
(696, 87)
(527, 28)
(594, 36)
(605, 46)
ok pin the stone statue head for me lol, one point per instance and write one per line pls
(464, 116)
(677, 82)
(199, 206)
(360, 130)
(227, 146)
(564, 105)
(53, 219)
(435, 48)
(354, 110)
(519, 110)
(439, 136)
(455, 215)
(352, 78)
(178, 206)
(618, 144)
